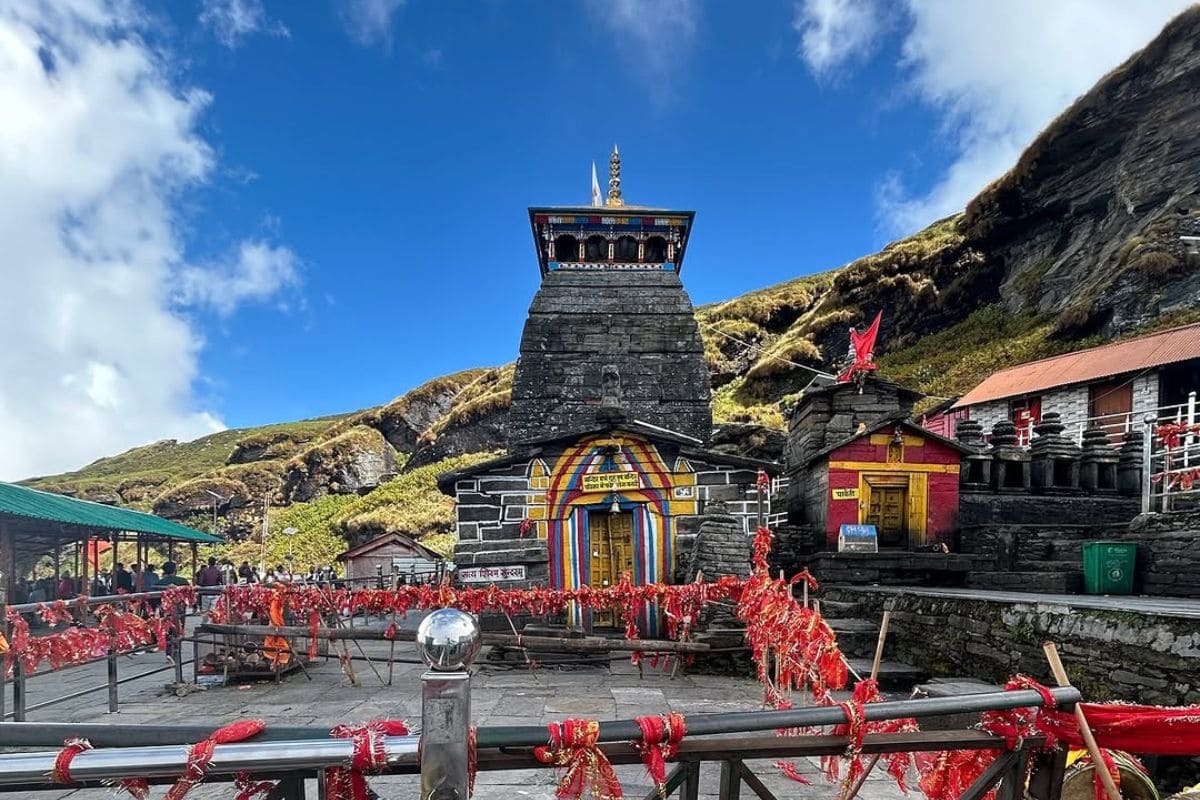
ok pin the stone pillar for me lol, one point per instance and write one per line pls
(976, 470)
(1129, 465)
(721, 548)
(1010, 464)
(1054, 459)
(1098, 466)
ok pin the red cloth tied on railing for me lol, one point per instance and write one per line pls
(369, 755)
(200, 754)
(248, 788)
(857, 727)
(573, 748)
(660, 740)
(61, 773)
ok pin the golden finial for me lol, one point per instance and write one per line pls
(614, 179)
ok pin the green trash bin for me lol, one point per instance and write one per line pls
(1108, 567)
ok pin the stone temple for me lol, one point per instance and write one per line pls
(611, 299)
(608, 470)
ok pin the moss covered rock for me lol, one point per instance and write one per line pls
(350, 463)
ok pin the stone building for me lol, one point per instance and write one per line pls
(854, 458)
(1113, 386)
(607, 457)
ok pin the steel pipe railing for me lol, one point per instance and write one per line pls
(169, 760)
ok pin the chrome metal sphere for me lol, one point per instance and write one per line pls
(449, 639)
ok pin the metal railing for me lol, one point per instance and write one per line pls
(448, 641)
(1115, 425)
(80, 610)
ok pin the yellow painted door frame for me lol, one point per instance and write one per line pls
(917, 485)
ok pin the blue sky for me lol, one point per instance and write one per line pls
(401, 176)
(234, 212)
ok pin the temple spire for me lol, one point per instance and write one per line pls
(614, 179)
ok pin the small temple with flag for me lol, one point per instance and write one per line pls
(608, 469)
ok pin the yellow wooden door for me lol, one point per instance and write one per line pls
(888, 512)
(612, 554)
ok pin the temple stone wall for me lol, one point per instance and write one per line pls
(642, 323)
(489, 512)
(1168, 559)
(1112, 654)
(985, 508)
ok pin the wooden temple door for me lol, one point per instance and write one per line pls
(612, 554)
(888, 512)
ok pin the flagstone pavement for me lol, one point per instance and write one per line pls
(500, 696)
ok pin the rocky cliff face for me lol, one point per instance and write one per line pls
(1087, 223)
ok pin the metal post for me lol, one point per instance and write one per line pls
(448, 640)
(18, 691)
(731, 781)
(177, 646)
(112, 680)
(1147, 460)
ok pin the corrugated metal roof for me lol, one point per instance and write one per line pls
(21, 501)
(1119, 358)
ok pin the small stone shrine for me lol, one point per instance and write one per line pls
(1010, 463)
(1098, 464)
(610, 420)
(855, 458)
(976, 475)
(1053, 458)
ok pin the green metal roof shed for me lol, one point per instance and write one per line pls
(33, 522)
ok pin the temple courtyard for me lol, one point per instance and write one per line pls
(502, 695)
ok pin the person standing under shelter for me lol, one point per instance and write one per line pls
(123, 580)
(208, 578)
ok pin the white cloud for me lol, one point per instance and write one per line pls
(995, 73)
(369, 22)
(833, 32)
(998, 73)
(97, 148)
(256, 272)
(651, 37)
(232, 21)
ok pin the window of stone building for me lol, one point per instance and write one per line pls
(595, 249)
(656, 250)
(627, 249)
(566, 248)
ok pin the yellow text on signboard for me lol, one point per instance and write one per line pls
(611, 481)
(845, 494)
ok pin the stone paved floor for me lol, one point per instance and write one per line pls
(500, 696)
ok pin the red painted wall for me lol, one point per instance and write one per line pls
(941, 506)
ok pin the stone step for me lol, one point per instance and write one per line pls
(892, 674)
(1028, 581)
(953, 687)
(856, 637)
(840, 608)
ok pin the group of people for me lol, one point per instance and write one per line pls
(149, 578)
(121, 581)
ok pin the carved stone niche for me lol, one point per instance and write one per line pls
(1010, 463)
(1099, 463)
(1054, 457)
(976, 471)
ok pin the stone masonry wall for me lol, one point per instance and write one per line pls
(489, 512)
(1111, 654)
(639, 321)
(984, 508)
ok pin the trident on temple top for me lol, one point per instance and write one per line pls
(614, 179)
